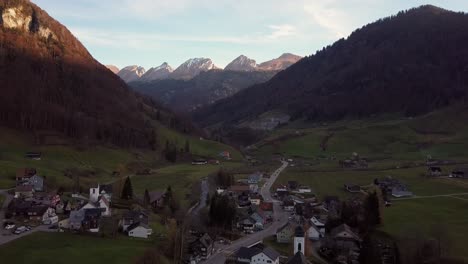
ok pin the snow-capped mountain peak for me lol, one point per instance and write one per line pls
(242, 63)
(192, 68)
(157, 73)
(131, 73)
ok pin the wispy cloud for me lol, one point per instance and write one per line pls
(328, 15)
(281, 31)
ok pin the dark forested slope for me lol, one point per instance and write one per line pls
(412, 63)
(49, 81)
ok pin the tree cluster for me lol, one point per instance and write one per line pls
(222, 211)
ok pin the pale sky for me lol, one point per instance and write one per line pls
(150, 32)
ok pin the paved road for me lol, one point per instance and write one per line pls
(280, 218)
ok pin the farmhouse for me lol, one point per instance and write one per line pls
(132, 217)
(157, 199)
(201, 248)
(257, 254)
(352, 188)
(139, 230)
(434, 171)
(284, 234)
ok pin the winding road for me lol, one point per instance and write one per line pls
(280, 218)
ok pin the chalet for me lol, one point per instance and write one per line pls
(49, 217)
(304, 189)
(318, 221)
(459, 173)
(434, 171)
(288, 205)
(352, 188)
(199, 162)
(256, 198)
(132, 217)
(257, 254)
(37, 182)
(259, 221)
(345, 237)
(284, 234)
(139, 230)
(23, 175)
(201, 248)
(36, 212)
(33, 155)
(157, 199)
(76, 219)
(92, 218)
(255, 178)
(247, 225)
(25, 191)
(313, 233)
(225, 155)
(266, 209)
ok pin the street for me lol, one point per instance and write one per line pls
(280, 218)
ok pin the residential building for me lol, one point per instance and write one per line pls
(258, 254)
(201, 248)
(304, 189)
(288, 205)
(313, 233)
(434, 171)
(293, 185)
(255, 178)
(239, 189)
(247, 225)
(76, 219)
(132, 217)
(157, 199)
(285, 233)
(344, 237)
(259, 221)
(92, 218)
(49, 217)
(139, 230)
(256, 198)
(352, 188)
(23, 175)
(24, 191)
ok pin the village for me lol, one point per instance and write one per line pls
(284, 222)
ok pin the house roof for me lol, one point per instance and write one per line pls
(271, 253)
(299, 258)
(156, 195)
(25, 172)
(104, 199)
(77, 216)
(247, 253)
(257, 217)
(206, 240)
(266, 206)
(255, 177)
(135, 215)
(344, 228)
(39, 210)
(135, 225)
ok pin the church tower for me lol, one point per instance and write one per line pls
(299, 240)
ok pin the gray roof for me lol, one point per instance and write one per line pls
(77, 216)
(271, 253)
(247, 253)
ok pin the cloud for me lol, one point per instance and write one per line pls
(328, 15)
(280, 31)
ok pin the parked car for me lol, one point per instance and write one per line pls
(8, 227)
(20, 230)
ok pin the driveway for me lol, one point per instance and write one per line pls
(279, 219)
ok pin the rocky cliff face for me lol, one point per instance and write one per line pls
(192, 68)
(242, 63)
(131, 73)
(157, 73)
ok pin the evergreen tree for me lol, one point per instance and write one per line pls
(372, 207)
(187, 146)
(127, 191)
(146, 199)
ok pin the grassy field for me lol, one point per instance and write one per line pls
(180, 177)
(70, 249)
(95, 161)
(389, 145)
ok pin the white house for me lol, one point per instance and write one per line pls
(257, 254)
(313, 233)
(316, 222)
(139, 230)
(304, 189)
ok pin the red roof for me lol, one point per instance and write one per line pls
(266, 206)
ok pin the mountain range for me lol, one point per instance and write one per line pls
(411, 63)
(195, 66)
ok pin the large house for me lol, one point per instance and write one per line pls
(201, 248)
(157, 199)
(139, 230)
(258, 254)
(132, 217)
(285, 233)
